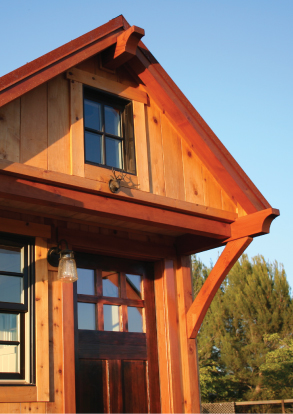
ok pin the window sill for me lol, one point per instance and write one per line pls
(94, 172)
(16, 393)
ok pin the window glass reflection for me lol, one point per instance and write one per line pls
(112, 121)
(92, 115)
(9, 327)
(86, 281)
(93, 148)
(133, 286)
(11, 289)
(111, 284)
(10, 259)
(113, 153)
(111, 318)
(86, 316)
(135, 319)
(9, 358)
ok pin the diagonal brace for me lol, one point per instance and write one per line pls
(200, 305)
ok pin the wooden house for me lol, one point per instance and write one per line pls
(98, 147)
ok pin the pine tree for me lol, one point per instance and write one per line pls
(254, 301)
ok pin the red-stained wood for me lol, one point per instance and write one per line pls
(112, 208)
(224, 264)
(115, 386)
(188, 351)
(124, 49)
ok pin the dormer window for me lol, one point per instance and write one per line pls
(108, 131)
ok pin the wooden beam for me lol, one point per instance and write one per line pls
(107, 85)
(52, 196)
(25, 228)
(252, 225)
(100, 185)
(125, 48)
(228, 258)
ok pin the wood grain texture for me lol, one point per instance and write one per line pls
(193, 178)
(35, 407)
(10, 408)
(10, 131)
(58, 125)
(34, 128)
(57, 404)
(212, 190)
(76, 129)
(141, 146)
(18, 394)
(107, 85)
(115, 386)
(42, 319)
(173, 165)
(24, 227)
(135, 387)
(155, 149)
(188, 351)
(224, 264)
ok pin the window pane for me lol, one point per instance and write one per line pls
(9, 327)
(86, 281)
(113, 153)
(86, 315)
(111, 284)
(9, 358)
(133, 286)
(11, 289)
(112, 121)
(111, 318)
(92, 115)
(93, 148)
(10, 259)
(134, 319)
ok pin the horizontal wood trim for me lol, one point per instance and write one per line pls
(25, 228)
(10, 394)
(111, 345)
(131, 194)
(110, 300)
(107, 85)
(104, 175)
(289, 401)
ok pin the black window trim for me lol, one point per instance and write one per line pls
(28, 243)
(120, 103)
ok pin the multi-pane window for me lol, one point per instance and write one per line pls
(108, 131)
(15, 302)
(110, 301)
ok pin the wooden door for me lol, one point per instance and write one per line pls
(116, 339)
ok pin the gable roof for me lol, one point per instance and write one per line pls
(161, 88)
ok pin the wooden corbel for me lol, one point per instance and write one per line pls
(124, 49)
(199, 307)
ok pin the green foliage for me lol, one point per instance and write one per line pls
(237, 357)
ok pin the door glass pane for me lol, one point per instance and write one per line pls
(133, 286)
(134, 319)
(86, 316)
(86, 281)
(93, 148)
(111, 318)
(9, 327)
(112, 121)
(9, 358)
(10, 259)
(111, 284)
(11, 289)
(113, 153)
(92, 115)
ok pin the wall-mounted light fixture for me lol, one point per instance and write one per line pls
(64, 260)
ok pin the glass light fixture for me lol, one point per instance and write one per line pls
(65, 262)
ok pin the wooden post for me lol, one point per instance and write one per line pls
(188, 351)
(168, 343)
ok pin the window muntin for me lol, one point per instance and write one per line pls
(117, 302)
(108, 131)
(16, 341)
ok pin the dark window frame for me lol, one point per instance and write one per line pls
(27, 328)
(126, 127)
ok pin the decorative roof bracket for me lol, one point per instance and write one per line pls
(124, 49)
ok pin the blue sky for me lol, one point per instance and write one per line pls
(231, 58)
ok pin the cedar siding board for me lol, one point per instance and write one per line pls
(188, 195)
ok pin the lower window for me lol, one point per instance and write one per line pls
(16, 336)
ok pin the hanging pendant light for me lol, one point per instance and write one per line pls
(64, 260)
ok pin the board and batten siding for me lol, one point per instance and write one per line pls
(44, 129)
